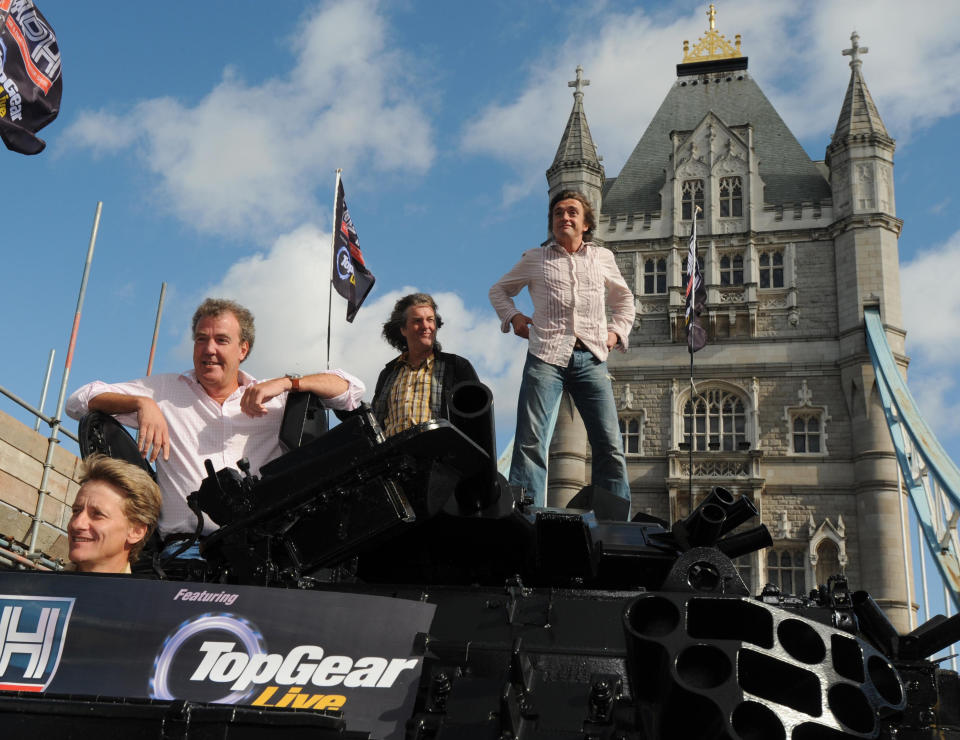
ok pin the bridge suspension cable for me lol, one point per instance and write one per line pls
(929, 475)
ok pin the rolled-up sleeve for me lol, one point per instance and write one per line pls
(502, 293)
(619, 300)
(350, 398)
(78, 405)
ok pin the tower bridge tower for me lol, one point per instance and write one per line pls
(785, 409)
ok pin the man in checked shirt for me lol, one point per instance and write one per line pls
(571, 281)
(414, 387)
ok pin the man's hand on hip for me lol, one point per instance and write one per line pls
(521, 325)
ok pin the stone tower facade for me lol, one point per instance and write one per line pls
(782, 407)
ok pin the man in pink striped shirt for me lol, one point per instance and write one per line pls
(571, 281)
(216, 411)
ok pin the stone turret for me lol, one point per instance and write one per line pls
(576, 165)
(866, 230)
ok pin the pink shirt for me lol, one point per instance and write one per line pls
(568, 292)
(201, 429)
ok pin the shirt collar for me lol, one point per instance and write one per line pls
(245, 379)
(428, 362)
(553, 243)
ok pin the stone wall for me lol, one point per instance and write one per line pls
(22, 452)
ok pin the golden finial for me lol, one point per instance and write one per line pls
(712, 45)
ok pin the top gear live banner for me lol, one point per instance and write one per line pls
(127, 637)
(30, 81)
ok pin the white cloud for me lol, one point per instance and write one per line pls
(793, 51)
(931, 304)
(248, 156)
(930, 308)
(286, 289)
(936, 396)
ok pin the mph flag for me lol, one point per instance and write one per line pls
(696, 296)
(350, 277)
(30, 81)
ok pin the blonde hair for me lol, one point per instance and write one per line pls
(142, 498)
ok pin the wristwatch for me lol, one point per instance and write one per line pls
(294, 382)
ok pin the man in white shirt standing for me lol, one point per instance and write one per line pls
(216, 411)
(570, 281)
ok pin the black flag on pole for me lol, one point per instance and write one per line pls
(350, 277)
(30, 81)
(696, 295)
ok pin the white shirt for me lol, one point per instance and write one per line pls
(568, 293)
(202, 429)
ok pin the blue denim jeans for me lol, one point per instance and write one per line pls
(585, 378)
(191, 553)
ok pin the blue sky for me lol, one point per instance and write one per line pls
(211, 130)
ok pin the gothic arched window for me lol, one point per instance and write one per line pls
(828, 560)
(691, 195)
(717, 420)
(731, 197)
(785, 569)
(806, 433)
(731, 269)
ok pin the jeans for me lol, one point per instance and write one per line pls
(585, 378)
(191, 553)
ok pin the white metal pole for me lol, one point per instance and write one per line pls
(906, 554)
(55, 426)
(947, 612)
(923, 574)
(156, 328)
(46, 385)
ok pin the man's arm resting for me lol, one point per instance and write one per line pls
(154, 437)
(332, 386)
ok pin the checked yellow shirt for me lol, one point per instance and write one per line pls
(409, 402)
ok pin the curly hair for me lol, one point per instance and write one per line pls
(213, 307)
(142, 500)
(398, 319)
(589, 219)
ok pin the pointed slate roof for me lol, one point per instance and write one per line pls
(576, 145)
(858, 116)
(788, 173)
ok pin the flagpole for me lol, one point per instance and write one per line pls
(691, 289)
(333, 256)
(156, 328)
(693, 421)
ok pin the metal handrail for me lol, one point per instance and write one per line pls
(39, 414)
